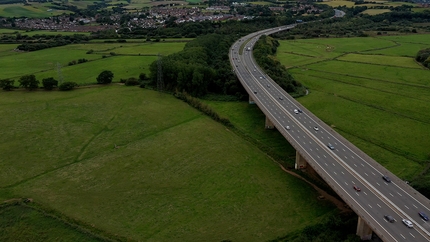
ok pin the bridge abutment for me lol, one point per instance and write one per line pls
(301, 163)
(269, 124)
(363, 230)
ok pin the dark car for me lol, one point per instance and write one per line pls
(330, 146)
(389, 218)
(357, 188)
(386, 178)
(300, 111)
(423, 216)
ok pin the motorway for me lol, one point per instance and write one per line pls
(345, 165)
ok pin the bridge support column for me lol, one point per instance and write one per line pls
(363, 230)
(251, 101)
(301, 163)
(268, 124)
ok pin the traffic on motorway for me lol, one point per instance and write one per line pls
(368, 188)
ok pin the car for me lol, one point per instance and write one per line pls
(255, 70)
(300, 111)
(296, 111)
(287, 127)
(423, 216)
(261, 77)
(357, 188)
(316, 128)
(281, 98)
(268, 85)
(255, 92)
(389, 218)
(386, 178)
(330, 146)
(408, 223)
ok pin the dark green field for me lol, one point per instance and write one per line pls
(175, 175)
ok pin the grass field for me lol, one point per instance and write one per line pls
(376, 11)
(43, 63)
(19, 223)
(176, 176)
(379, 102)
(35, 10)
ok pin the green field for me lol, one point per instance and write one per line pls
(35, 10)
(43, 63)
(379, 102)
(19, 223)
(175, 176)
(376, 11)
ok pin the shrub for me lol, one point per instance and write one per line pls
(67, 86)
(132, 82)
(49, 83)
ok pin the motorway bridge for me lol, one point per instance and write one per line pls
(335, 159)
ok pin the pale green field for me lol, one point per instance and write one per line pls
(43, 63)
(176, 176)
(382, 60)
(376, 11)
(36, 10)
(10, 31)
(338, 3)
(404, 49)
(413, 38)
(384, 97)
(47, 32)
(122, 67)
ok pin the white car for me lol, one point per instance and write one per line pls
(408, 223)
(296, 111)
(287, 127)
(316, 128)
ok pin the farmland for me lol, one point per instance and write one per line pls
(381, 90)
(175, 175)
(123, 59)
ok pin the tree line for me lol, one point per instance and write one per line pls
(202, 67)
(264, 50)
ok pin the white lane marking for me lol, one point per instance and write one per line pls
(399, 194)
(406, 207)
(391, 194)
(346, 157)
(362, 164)
(414, 205)
(378, 205)
(355, 165)
(378, 184)
(366, 174)
(333, 164)
(412, 235)
(342, 172)
(402, 236)
(334, 172)
(325, 156)
(316, 148)
(352, 157)
(310, 149)
(365, 193)
(343, 149)
(373, 173)
(325, 164)
(369, 205)
(346, 183)
(318, 156)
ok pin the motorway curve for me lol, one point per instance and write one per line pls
(345, 165)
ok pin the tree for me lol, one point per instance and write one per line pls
(67, 86)
(6, 84)
(105, 77)
(142, 76)
(29, 82)
(49, 83)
